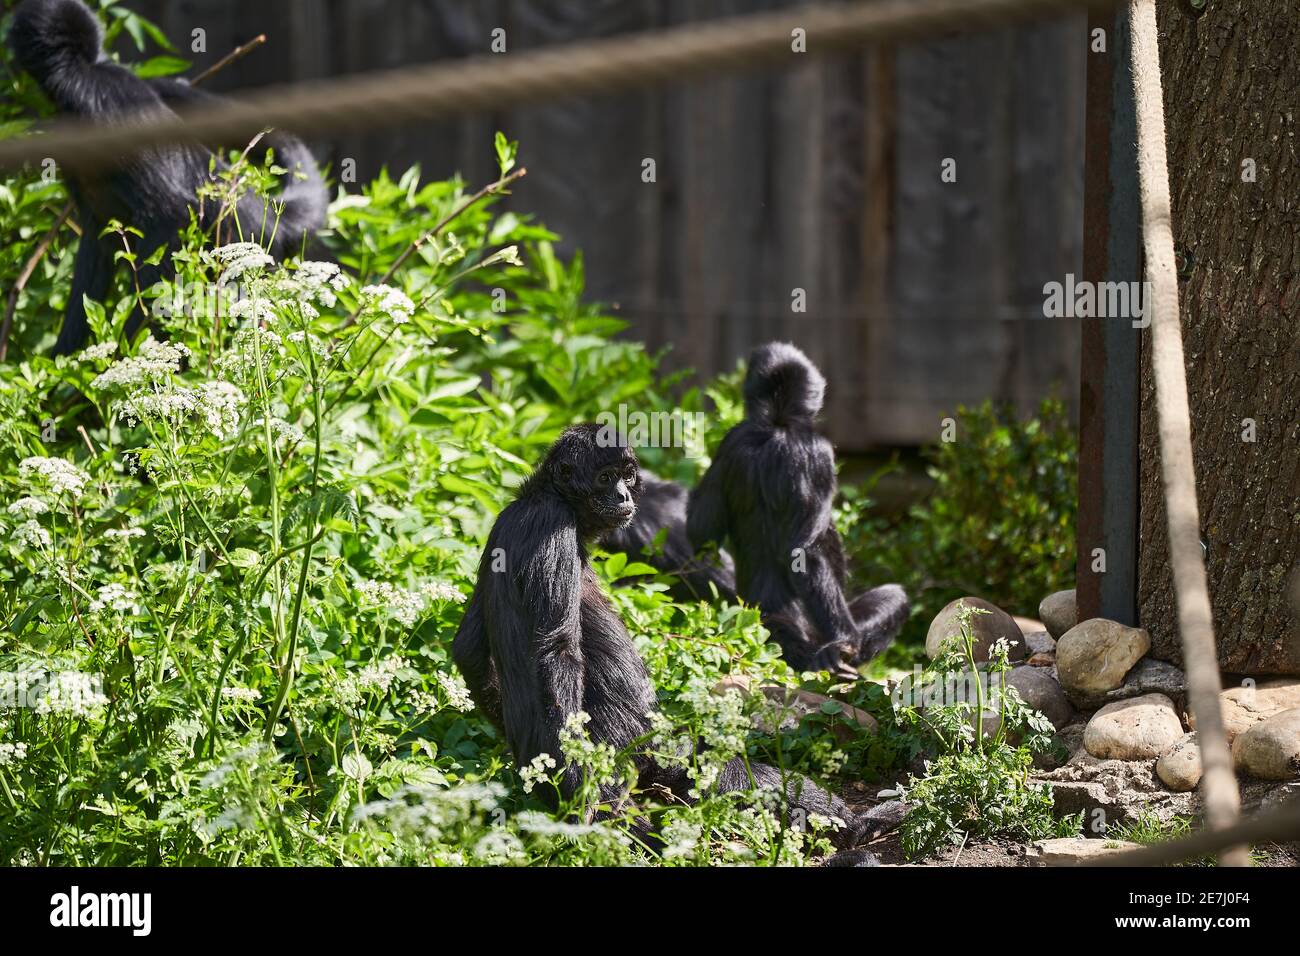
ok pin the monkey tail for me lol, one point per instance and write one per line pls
(782, 385)
(880, 614)
(57, 41)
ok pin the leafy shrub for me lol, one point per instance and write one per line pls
(999, 523)
(977, 784)
(232, 562)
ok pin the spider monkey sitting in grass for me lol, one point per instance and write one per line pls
(769, 491)
(540, 642)
(60, 43)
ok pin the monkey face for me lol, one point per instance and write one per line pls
(597, 475)
(612, 500)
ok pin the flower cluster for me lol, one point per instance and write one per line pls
(28, 506)
(153, 364)
(404, 606)
(538, 770)
(214, 403)
(457, 693)
(114, 597)
(59, 475)
(72, 694)
(236, 258)
(11, 754)
(387, 301)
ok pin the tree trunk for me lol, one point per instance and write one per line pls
(1232, 98)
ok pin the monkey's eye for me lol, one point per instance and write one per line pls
(629, 475)
(603, 478)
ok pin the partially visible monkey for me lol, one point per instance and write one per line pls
(661, 508)
(539, 640)
(769, 492)
(59, 42)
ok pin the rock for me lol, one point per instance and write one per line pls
(798, 704)
(987, 629)
(1074, 851)
(1059, 611)
(1270, 750)
(1148, 676)
(1093, 656)
(1040, 691)
(1139, 729)
(1040, 642)
(1179, 767)
(853, 858)
(1278, 796)
(1247, 705)
(1113, 792)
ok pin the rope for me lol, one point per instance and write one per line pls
(493, 82)
(1218, 783)
(1279, 824)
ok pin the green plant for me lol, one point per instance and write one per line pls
(978, 784)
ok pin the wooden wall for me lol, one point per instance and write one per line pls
(920, 294)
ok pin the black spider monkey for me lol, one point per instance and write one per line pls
(60, 43)
(539, 640)
(661, 508)
(770, 491)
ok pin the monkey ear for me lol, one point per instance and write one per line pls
(565, 471)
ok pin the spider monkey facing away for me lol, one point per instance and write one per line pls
(540, 641)
(59, 42)
(770, 490)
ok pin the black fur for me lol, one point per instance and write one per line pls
(769, 492)
(59, 42)
(661, 507)
(540, 641)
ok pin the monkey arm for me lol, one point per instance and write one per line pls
(824, 601)
(706, 513)
(535, 632)
(473, 656)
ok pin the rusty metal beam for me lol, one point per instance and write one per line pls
(1111, 347)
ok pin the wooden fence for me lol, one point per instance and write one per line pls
(920, 294)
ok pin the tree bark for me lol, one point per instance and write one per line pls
(1232, 94)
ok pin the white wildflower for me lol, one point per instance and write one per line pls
(124, 534)
(30, 534)
(99, 351)
(498, 847)
(236, 258)
(538, 770)
(441, 591)
(11, 754)
(61, 476)
(404, 606)
(246, 694)
(29, 506)
(153, 363)
(681, 837)
(114, 597)
(389, 301)
(457, 693)
(320, 279)
(255, 308)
